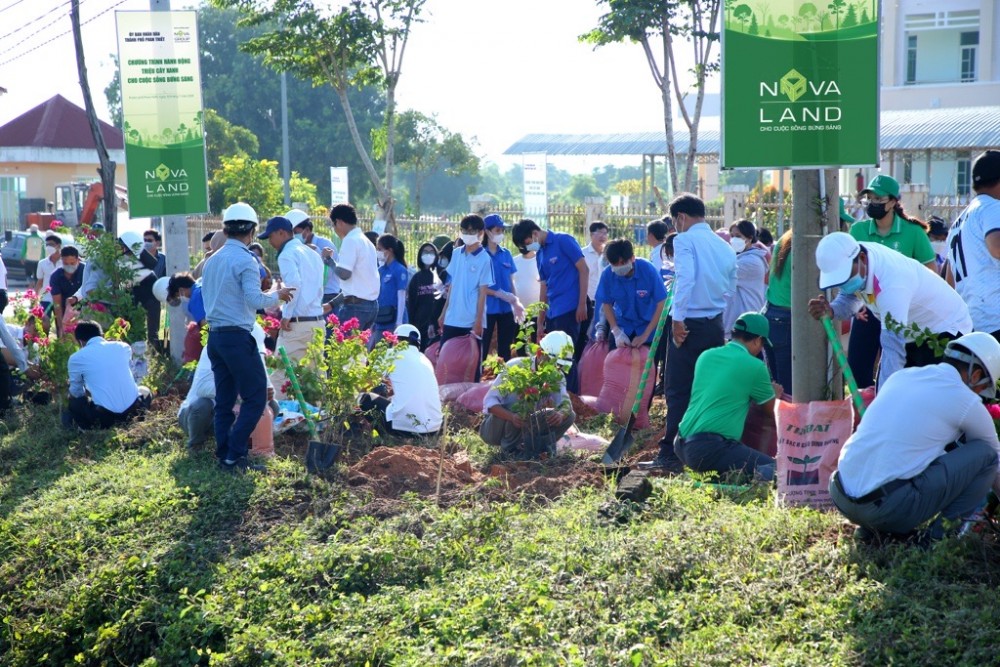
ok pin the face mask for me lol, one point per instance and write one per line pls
(668, 263)
(71, 269)
(497, 238)
(443, 263)
(534, 246)
(470, 239)
(876, 211)
(148, 245)
(300, 238)
(940, 248)
(739, 245)
(428, 259)
(380, 256)
(52, 248)
(853, 285)
(622, 270)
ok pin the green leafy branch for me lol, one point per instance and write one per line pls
(916, 334)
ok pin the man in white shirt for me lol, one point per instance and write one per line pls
(890, 285)
(303, 228)
(3, 286)
(656, 234)
(357, 269)
(526, 278)
(197, 412)
(593, 255)
(43, 274)
(415, 406)
(926, 446)
(974, 246)
(302, 271)
(101, 368)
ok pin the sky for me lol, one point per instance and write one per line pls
(495, 70)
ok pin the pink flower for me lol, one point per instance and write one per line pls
(55, 224)
(122, 324)
(351, 325)
(48, 289)
(390, 337)
(333, 320)
(339, 335)
(98, 307)
(70, 327)
(994, 410)
(286, 388)
(30, 294)
(365, 336)
(38, 311)
(268, 353)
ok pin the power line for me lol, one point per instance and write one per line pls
(13, 4)
(65, 32)
(35, 20)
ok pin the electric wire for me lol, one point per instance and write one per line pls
(65, 32)
(10, 6)
(35, 20)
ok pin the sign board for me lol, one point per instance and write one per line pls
(338, 186)
(800, 84)
(536, 197)
(162, 109)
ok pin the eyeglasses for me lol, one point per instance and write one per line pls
(865, 201)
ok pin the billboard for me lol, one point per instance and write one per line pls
(338, 186)
(536, 196)
(800, 84)
(162, 111)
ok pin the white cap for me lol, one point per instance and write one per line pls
(985, 351)
(407, 331)
(295, 216)
(240, 211)
(835, 258)
(160, 288)
(558, 344)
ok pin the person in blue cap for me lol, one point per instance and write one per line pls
(503, 308)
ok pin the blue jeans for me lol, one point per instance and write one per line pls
(365, 312)
(779, 359)
(567, 324)
(863, 348)
(238, 371)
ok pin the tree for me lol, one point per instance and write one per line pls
(362, 43)
(837, 8)
(256, 182)
(864, 16)
(743, 13)
(582, 186)
(113, 94)
(851, 19)
(823, 17)
(662, 22)
(224, 138)
(303, 190)
(630, 187)
(807, 13)
(754, 30)
(423, 147)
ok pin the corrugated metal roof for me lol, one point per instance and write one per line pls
(937, 129)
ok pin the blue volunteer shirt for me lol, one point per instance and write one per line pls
(557, 269)
(392, 278)
(196, 304)
(468, 273)
(503, 273)
(633, 298)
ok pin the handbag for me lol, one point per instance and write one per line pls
(386, 315)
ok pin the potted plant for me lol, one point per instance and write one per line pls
(335, 370)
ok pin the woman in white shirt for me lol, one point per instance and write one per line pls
(751, 274)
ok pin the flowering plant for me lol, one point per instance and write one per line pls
(53, 362)
(112, 298)
(26, 305)
(338, 368)
(994, 411)
(535, 379)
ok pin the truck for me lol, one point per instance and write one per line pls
(78, 203)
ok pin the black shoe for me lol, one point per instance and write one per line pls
(240, 466)
(669, 464)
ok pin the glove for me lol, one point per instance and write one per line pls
(506, 297)
(621, 340)
(518, 311)
(600, 334)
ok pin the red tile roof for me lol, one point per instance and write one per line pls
(57, 123)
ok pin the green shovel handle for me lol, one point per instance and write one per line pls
(290, 372)
(652, 350)
(838, 352)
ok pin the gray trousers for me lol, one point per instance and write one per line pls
(953, 485)
(711, 452)
(509, 438)
(197, 420)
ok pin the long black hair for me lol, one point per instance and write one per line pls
(390, 242)
(426, 247)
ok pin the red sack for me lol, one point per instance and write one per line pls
(760, 431)
(432, 352)
(472, 398)
(622, 373)
(458, 360)
(810, 437)
(591, 367)
(192, 343)
(450, 393)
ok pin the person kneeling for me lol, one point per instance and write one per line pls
(926, 447)
(550, 416)
(726, 379)
(415, 406)
(101, 368)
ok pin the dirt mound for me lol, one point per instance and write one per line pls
(392, 471)
(549, 480)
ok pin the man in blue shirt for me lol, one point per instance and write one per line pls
(65, 282)
(502, 300)
(631, 295)
(705, 273)
(564, 276)
(231, 289)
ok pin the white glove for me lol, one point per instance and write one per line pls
(518, 311)
(506, 296)
(599, 334)
(621, 340)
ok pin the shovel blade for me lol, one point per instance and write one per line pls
(621, 444)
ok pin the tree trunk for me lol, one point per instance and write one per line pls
(390, 154)
(107, 168)
(380, 190)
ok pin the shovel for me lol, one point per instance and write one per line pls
(624, 438)
(319, 455)
(845, 368)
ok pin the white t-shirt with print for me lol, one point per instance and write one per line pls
(977, 272)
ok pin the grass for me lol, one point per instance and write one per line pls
(122, 548)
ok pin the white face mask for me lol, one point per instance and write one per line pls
(739, 245)
(71, 269)
(443, 263)
(940, 248)
(497, 238)
(428, 259)
(470, 239)
(380, 255)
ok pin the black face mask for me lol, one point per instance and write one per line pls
(876, 211)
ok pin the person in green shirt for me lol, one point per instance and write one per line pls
(778, 311)
(890, 226)
(726, 379)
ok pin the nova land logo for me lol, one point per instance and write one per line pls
(166, 182)
(783, 109)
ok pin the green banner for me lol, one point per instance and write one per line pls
(800, 84)
(162, 108)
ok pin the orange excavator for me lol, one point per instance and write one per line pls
(77, 204)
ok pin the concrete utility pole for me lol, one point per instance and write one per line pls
(176, 247)
(814, 211)
(286, 168)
